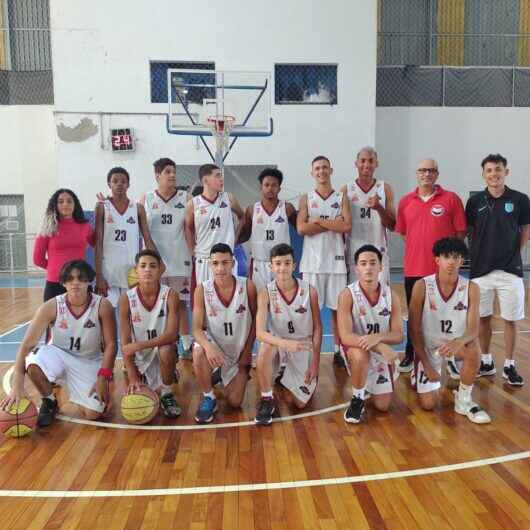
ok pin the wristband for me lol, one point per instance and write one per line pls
(105, 372)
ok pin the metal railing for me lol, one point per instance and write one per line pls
(16, 253)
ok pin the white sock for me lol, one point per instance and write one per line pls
(486, 358)
(267, 395)
(359, 392)
(166, 389)
(209, 394)
(51, 396)
(508, 363)
(464, 392)
(452, 359)
(187, 341)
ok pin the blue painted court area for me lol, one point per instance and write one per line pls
(8, 282)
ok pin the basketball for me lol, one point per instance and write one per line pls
(132, 278)
(19, 420)
(141, 407)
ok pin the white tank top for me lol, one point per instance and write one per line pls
(268, 230)
(121, 240)
(147, 322)
(81, 336)
(228, 324)
(166, 225)
(368, 318)
(366, 224)
(290, 319)
(442, 319)
(214, 223)
(324, 252)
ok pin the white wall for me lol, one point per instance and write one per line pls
(27, 158)
(101, 54)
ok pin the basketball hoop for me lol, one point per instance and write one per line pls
(221, 127)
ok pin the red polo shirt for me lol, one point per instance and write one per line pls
(423, 223)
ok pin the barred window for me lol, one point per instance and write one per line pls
(305, 84)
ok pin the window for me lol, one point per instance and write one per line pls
(159, 76)
(305, 84)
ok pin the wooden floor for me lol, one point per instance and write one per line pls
(105, 460)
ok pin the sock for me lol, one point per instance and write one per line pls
(267, 395)
(508, 363)
(451, 359)
(486, 358)
(166, 389)
(209, 394)
(51, 397)
(186, 341)
(464, 392)
(359, 392)
(337, 348)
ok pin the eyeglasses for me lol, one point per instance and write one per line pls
(427, 170)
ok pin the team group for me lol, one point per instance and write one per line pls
(189, 250)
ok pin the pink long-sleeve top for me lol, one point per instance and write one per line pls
(68, 243)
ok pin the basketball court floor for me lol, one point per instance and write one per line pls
(405, 469)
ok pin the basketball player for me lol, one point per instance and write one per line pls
(369, 319)
(288, 325)
(266, 224)
(323, 219)
(80, 353)
(165, 210)
(224, 330)
(149, 319)
(119, 222)
(372, 211)
(209, 220)
(444, 321)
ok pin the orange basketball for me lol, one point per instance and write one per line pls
(19, 420)
(132, 278)
(141, 407)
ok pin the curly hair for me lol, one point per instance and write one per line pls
(50, 223)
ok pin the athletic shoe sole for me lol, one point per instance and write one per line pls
(405, 369)
(265, 423)
(453, 375)
(199, 421)
(352, 420)
(488, 373)
(512, 383)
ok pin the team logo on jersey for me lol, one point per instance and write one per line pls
(131, 220)
(355, 198)
(460, 306)
(384, 312)
(437, 210)
(63, 324)
(241, 309)
(277, 309)
(339, 258)
(212, 312)
(184, 290)
(314, 204)
(202, 210)
(136, 317)
(508, 207)
(223, 205)
(155, 206)
(301, 310)
(133, 303)
(110, 219)
(305, 390)
(279, 219)
(381, 380)
(179, 205)
(461, 288)
(89, 324)
(362, 310)
(335, 205)
(161, 314)
(259, 220)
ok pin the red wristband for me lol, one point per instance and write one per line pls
(105, 372)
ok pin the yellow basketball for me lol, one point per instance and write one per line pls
(132, 278)
(140, 407)
(19, 420)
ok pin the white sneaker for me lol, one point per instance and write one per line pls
(470, 409)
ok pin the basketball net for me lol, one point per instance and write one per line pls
(221, 127)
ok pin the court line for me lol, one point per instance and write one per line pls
(240, 488)
(6, 382)
(14, 329)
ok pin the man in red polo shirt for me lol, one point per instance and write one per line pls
(425, 215)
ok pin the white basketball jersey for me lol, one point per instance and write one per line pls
(166, 225)
(290, 319)
(444, 320)
(214, 223)
(368, 318)
(366, 224)
(228, 324)
(81, 336)
(121, 240)
(324, 252)
(147, 322)
(268, 230)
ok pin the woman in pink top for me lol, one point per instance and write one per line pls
(64, 236)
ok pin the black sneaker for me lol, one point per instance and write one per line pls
(266, 408)
(452, 370)
(405, 365)
(216, 377)
(513, 378)
(170, 407)
(486, 369)
(338, 360)
(354, 413)
(278, 380)
(48, 410)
